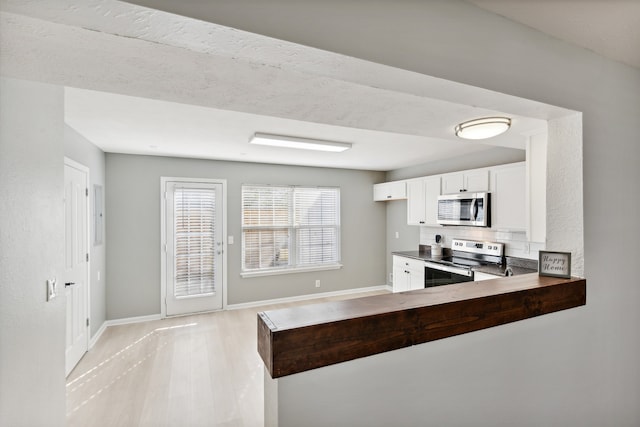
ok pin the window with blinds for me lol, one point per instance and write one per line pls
(289, 227)
(194, 241)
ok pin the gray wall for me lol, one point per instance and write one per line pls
(80, 149)
(133, 210)
(572, 368)
(32, 330)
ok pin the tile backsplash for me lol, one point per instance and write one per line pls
(516, 244)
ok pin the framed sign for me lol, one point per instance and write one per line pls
(554, 264)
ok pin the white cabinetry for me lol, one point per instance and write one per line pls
(509, 197)
(537, 188)
(408, 274)
(478, 276)
(389, 191)
(422, 200)
(466, 182)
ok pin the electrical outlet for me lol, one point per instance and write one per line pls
(317, 283)
(51, 289)
(397, 234)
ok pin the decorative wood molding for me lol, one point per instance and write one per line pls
(299, 339)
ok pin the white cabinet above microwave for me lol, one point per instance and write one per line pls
(472, 181)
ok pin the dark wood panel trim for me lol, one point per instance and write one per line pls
(303, 338)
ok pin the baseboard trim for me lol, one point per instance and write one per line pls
(94, 339)
(306, 297)
(128, 320)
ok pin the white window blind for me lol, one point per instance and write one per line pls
(194, 244)
(286, 227)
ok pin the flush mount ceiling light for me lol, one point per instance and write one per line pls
(483, 128)
(295, 142)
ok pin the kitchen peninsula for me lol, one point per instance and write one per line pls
(299, 339)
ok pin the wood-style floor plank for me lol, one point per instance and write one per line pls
(199, 370)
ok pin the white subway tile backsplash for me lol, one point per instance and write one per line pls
(516, 244)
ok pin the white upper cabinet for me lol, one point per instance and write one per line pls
(537, 188)
(518, 192)
(509, 197)
(422, 200)
(466, 182)
(396, 190)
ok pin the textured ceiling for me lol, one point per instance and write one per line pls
(150, 82)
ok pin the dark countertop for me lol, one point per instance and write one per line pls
(518, 265)
(424, 256)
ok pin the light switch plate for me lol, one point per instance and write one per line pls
(230, 240)
(51, 289)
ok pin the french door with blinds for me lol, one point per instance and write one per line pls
(193, 251)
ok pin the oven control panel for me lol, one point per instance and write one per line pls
(484, 248)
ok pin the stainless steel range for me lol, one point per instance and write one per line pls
(458, 266)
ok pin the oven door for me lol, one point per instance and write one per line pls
(438, 275)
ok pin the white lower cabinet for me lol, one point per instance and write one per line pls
(408, 274)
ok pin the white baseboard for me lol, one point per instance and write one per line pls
(94, 339)
(306, 297)
(138, 319)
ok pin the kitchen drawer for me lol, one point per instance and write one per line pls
(408, 263)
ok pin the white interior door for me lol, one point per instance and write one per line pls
(194, 247)
(76, 262)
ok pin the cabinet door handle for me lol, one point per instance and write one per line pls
(388, 197)
(66, 285)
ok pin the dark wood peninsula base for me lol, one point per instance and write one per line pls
(298, 339)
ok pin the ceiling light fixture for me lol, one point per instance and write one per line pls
(295, 142)
(484, 128)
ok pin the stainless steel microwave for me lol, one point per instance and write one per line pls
(472, 209)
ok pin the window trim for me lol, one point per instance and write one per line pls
(290, 270)
(293, 229)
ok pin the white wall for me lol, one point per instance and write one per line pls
(32, 330)
(133, 210)
(78, 148)
(564, 190)
(577, 367)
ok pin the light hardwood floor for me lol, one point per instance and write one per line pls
(199, 370)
